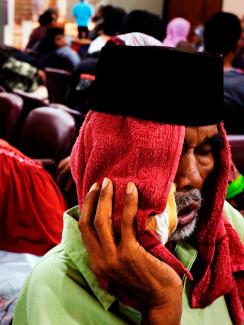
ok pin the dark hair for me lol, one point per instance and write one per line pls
(221, 33)
(47, 17)
(52, 33)
(47, 44)
(105, 9)
(144, 22)
(113, 21)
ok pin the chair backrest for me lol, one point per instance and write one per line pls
(48, 133)
(78, 116)
(58, 83)
(30, 100)
(237, 150)
(10, 109)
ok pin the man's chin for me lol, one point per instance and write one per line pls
(184, 232)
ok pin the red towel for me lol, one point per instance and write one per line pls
(220, 249)
(127, 149)
(31, 205)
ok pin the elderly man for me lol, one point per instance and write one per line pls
(122, 272)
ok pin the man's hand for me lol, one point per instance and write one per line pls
(126, 265)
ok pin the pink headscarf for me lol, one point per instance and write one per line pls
(177, 31)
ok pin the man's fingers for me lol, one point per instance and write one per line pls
(86, 222)
(129, 213)
(103, 218)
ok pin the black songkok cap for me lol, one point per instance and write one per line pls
(161, 84)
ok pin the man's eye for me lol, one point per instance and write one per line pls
(204, 150)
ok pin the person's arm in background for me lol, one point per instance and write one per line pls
(74, 11)
(151, 283)
(64, 176)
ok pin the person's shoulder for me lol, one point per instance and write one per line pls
(37, 285)
(234, 74)
(43, 298)
(75, 7)
(89, 6)
(235, 218)
(52, 266)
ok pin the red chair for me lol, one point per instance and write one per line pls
(11, 107)
(48, 134)
(237, 150)
(58, 84)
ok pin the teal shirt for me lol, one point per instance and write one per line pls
(62, 290)
(82, 12)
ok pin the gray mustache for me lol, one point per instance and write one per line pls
(183, 199)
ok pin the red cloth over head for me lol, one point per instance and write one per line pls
(31, 205)
(221, 266)
(127, 149)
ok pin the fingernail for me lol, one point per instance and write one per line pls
(105, 183)
(130, 188)
(93, 187)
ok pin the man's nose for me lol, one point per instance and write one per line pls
(188, 175)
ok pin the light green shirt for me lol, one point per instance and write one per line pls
(62, 290)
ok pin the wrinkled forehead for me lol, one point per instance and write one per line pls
(198, 135)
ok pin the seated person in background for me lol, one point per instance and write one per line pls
(238, 61)
(221, 34)
(46, 20)
(111, 26)
(31, 208)
(97, 20)
(177, 31)
(56, 53)
(122, 272)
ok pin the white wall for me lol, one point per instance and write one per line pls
(1, 22)
(234, 6)
(155, 6)
(9, 28)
